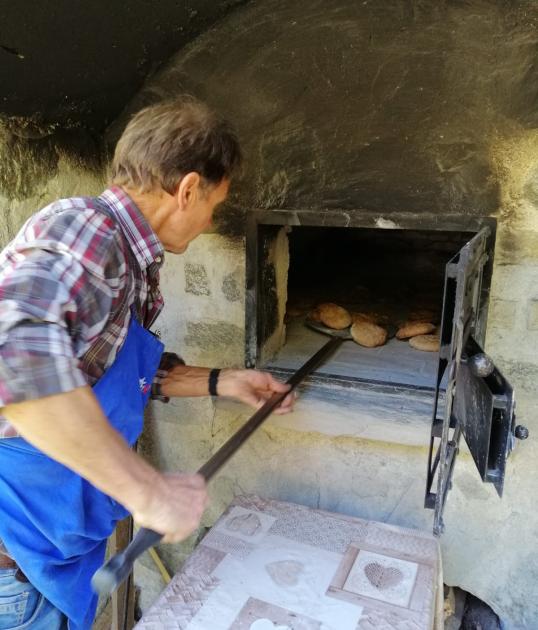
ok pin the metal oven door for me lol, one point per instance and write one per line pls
(484, 407)
(478, 402)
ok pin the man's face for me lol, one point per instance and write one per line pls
(196, 204)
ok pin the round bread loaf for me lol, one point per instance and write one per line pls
(412, 329)
(368, 335)
(333, 316)
(427, 343)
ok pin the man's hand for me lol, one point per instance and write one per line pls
(254, 388)
(249, 386)
(175, 507)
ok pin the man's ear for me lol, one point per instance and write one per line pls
(188, 189)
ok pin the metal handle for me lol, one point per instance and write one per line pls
(111, 575)
(117, 569)
(480, 364)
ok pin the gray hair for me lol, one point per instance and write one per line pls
(164, 142)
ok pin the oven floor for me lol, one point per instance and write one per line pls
(396, 362)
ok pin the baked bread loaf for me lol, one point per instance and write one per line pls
(412, 329)
(368, 334)
(426, 343)
(333, 316)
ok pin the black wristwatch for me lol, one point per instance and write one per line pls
(213, 381)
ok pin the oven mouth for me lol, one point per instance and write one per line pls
(393, 274)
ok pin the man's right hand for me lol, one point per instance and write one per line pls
(72, 429)
(175, 506)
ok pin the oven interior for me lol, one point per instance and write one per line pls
(394, 275)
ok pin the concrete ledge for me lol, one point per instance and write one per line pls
(371, 411)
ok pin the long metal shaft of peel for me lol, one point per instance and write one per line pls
(117, 569)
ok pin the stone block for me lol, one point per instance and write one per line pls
(203, 321)
(216, 342)
(231, 287)
(516, 247)
(196, 280)
(513, 282)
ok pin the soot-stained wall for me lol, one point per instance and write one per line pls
(379, 105)
(66, 64)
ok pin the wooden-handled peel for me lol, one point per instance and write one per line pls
(116, 570)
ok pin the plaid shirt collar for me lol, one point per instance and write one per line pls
(143, 241)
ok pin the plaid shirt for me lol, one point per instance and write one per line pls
(67, 284)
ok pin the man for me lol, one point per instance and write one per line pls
(79, 289)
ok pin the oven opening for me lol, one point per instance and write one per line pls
(387, 277)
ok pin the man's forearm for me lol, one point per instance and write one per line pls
(72, 429)
(251, 387)
(186, 380)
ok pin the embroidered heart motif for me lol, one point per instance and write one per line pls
(246, 524)
(284, 572)
(382, 577)
(266, 624)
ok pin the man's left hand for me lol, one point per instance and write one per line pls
(254, 388)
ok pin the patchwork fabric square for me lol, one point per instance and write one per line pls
(260, 615)
(380, 577)
(395, 580)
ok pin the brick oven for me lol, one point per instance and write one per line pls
(390, 164)
(392, 265)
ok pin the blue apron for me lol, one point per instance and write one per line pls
(53, 522)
